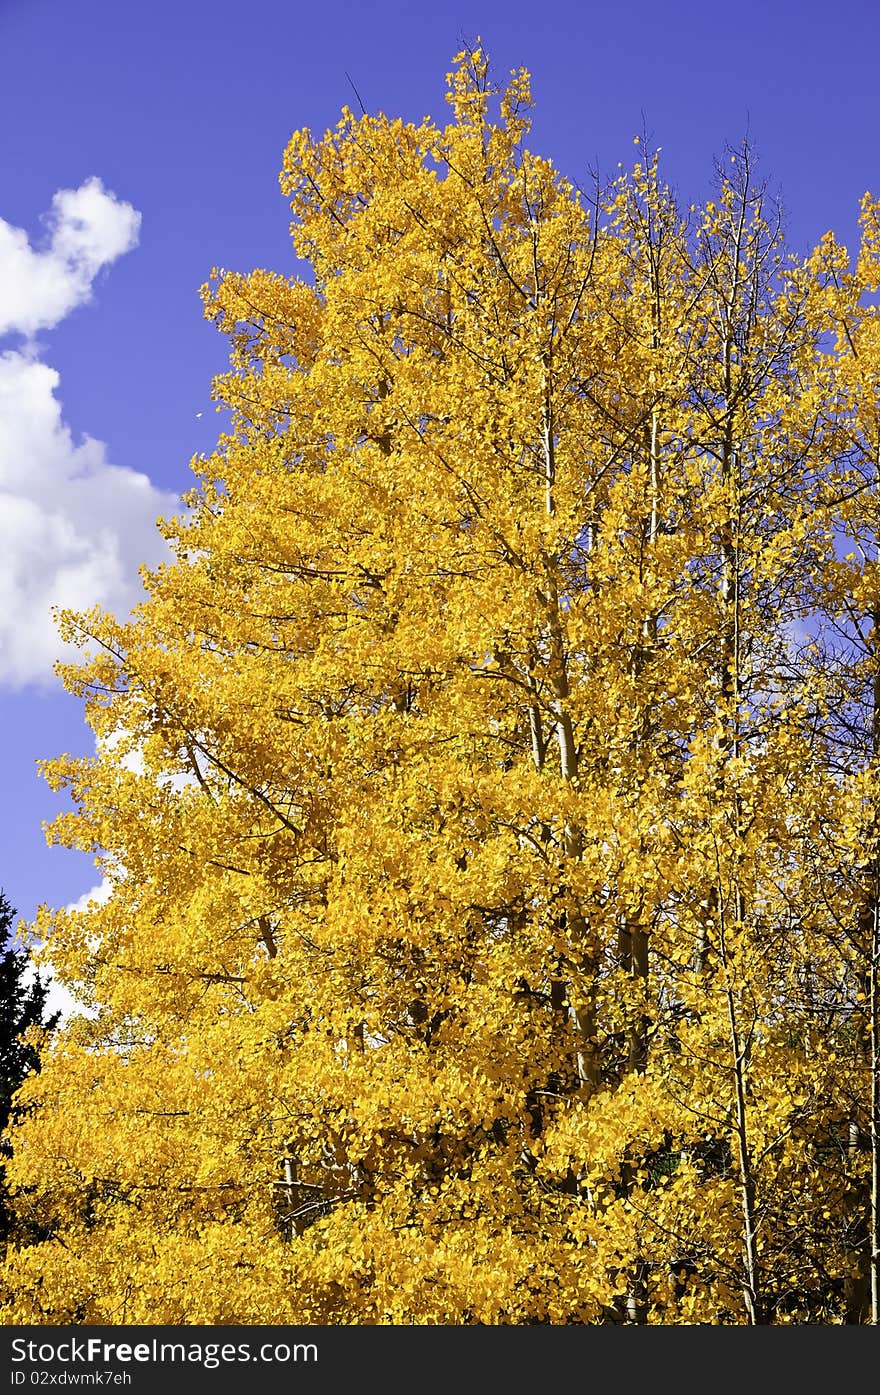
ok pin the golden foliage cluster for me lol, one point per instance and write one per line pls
(488, 790)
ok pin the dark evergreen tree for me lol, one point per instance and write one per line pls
(22, 1005)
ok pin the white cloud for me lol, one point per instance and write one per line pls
(89, 229)
(74, 528)
(58, 998)
(98, 895)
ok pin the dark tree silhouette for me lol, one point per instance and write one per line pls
(22, 1005)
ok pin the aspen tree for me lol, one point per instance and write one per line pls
(457, 784)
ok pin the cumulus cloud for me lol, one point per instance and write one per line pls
(88, 229)
(74, 527)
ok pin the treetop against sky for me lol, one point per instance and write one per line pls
(147, 140)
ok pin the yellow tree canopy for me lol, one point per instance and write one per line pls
(486, 790)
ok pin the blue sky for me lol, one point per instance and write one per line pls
(141, 143)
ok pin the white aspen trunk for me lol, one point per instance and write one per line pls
(290, 1193)
(728, 746)
(752, 1279)
(729, 657)
(581, 1013)
(536, 735)
(633, 938)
